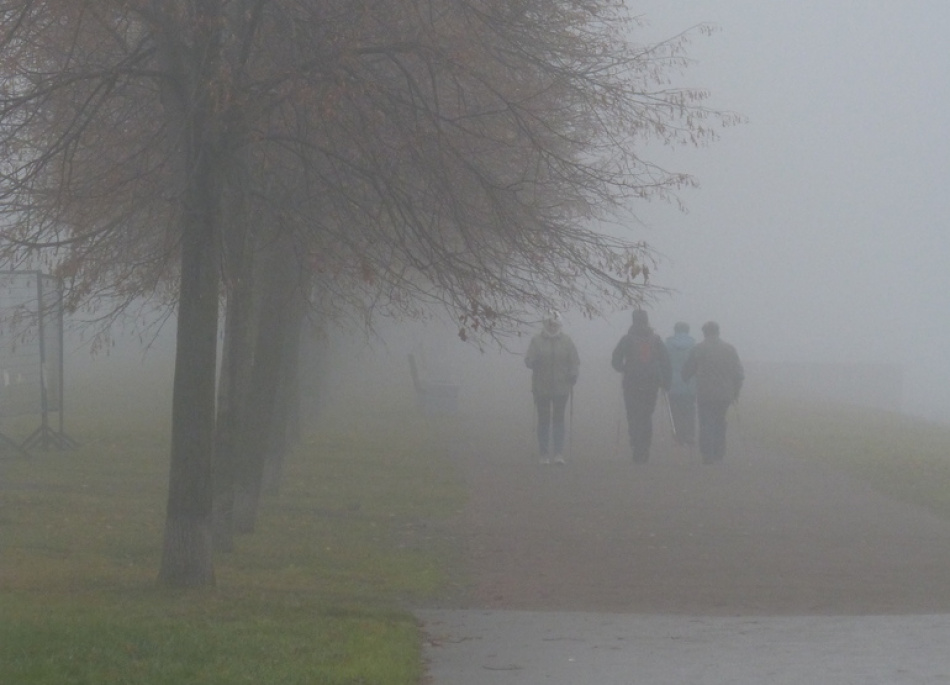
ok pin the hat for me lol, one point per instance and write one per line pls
(639, 317)
(551, 322)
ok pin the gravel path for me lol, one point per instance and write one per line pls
(760, 569)
(755, 535)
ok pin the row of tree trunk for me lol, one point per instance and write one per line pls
(394, 156)
(258, 399)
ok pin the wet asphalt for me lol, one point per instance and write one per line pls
(480, 647)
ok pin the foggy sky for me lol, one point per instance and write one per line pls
(818, 232)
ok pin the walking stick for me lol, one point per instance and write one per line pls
(533, 454)
(619, 420)
(745, 447)
(570, 428)
(669, 412)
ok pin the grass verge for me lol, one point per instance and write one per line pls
(316, 595)
(904, 457)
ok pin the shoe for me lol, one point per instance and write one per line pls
(558, 459)
(545, 461)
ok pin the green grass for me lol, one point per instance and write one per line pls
(903, 457)
(318, 594)
(159, 640)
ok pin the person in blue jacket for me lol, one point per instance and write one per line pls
(554, 363)
(682, 395)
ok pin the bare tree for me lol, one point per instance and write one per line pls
(412, 153)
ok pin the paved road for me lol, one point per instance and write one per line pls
(759, 570)
(477, 647)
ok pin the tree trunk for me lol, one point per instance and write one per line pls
(277, 282)
(187, 550)
(231, 405)
(222, 468)
(232, 387)
(285, 424)
(236, 361)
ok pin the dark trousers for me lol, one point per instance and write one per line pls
(550, 423)
(640, 401)
(683, 411)
(712, 429)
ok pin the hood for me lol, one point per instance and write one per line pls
(681, 341)
(640, 330)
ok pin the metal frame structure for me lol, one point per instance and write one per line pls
(31, 356)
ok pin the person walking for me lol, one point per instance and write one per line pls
(644, 361)
(554, 363)
(719, 376)
(682, 395)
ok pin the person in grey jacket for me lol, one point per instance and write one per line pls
(719, 376)
(554, 363)
(643, 360)
(682, 395)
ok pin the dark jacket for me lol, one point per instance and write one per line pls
(717, 369)
(643, 359)
(554, 363)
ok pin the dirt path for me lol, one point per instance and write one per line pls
(755, 535)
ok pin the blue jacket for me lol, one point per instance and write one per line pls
(679, 346)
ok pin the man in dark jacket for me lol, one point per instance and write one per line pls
(643, 360)
(719, 377)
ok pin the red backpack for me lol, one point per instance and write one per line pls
(640, 362)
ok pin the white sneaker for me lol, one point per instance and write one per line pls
(545, 461)
(558, 459)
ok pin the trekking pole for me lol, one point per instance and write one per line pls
(534, 431)
(619, 419)
(693, 446)
(745, 447)
(669, 412)
(570, 427)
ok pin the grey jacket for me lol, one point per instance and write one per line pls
(717, 369)
(554, 363)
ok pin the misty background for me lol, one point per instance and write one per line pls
(818, 232)
(816, 235)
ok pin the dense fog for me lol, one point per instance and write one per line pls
(816, 235)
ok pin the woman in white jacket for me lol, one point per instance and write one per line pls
(554, 363)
